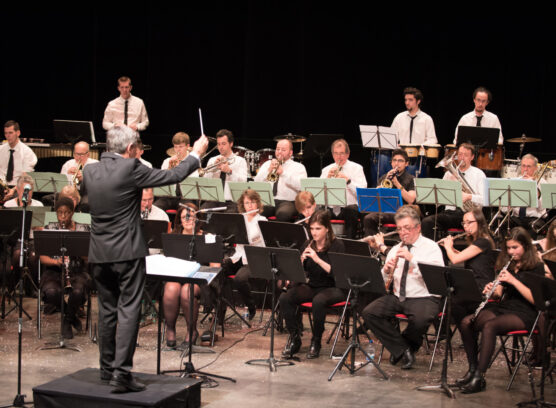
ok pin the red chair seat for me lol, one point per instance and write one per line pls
(341, 222)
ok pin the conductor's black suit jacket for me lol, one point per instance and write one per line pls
(115, 187)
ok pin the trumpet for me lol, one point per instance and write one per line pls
(215, 166)
(337, 171)
(387, 181)
(273, 175)
(75, 180)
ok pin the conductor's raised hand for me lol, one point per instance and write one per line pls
(200, 146)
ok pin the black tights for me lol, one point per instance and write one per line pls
(175, 294)
(490, 325)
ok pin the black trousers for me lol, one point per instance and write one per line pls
(349, 215)
(51, 287)
(370, 222)
(120, 289)
(380, 314)
(321, 298)
(445, 220)
(284, 210)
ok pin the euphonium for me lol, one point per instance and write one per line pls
(448, 164)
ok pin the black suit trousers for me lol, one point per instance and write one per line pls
(120, 289)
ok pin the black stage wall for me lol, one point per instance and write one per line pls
(262, 69)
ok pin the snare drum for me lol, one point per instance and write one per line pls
(510, 169)
(412, 150)
(263, 155)
(432, 151)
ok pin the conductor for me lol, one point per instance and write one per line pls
(117, 248)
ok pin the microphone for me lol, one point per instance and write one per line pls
(25, 196)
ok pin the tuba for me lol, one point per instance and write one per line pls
(449, 164)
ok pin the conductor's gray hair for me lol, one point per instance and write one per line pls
(119, 137)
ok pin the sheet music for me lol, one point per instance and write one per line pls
(161, 265)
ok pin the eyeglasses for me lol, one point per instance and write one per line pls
(465, 223)
(81, 154)
(405, 228)
(398, 160)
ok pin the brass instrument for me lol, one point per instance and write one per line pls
(216, 165)
(448, 164)
(175, 160)
(75, 180)
(337, 171)
(490, 292)
(145, 214)
(538, 224)
(387, 181)
(273, 176)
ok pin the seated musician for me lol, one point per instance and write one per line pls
(288, 173)
(548, 247)
(320, 287)
(73, 168)
(402, 180)
(72, 193)
(251, 206)
(23, 180)
(305, 205)
(409, 295)
(355, 177)
(452, 217)
(515, 311)
(149, 211)
(140, 152)
(231, 168)
(77, 271)
(478, 257)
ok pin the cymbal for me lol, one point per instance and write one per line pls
(291, 138)
(524, 140)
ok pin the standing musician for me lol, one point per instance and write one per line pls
(126, 109)
(452, 217)
(478, 256)
(515, 311)
(480, 116)
(79, 280)
(409, 295)
(320, 287)
(355, 177)
(117, 247)
(413, 125)
(400, 179)
(288, 174)
(231, 168)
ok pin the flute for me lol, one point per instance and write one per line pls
(371, 237)
(458, 236)
(491, 291)
(303, 220)
(547, 251)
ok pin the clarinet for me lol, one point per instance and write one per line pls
(491, 291)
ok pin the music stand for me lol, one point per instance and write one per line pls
(379, 200)
(479, 136)
(356, 273)
(47, 182)
(262, 187)
(61, 243)
(318, 145)
(152, 231)
(73, 131)
(39, 214)
(202, 189)
(356, 247)
(438, 192)
(327, 192)
(272, 264)
(379, 137)
(164, 191)
(230, 226)
(283, 234)
(510, 193)
(548, 197)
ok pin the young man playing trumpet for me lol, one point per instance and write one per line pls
(355, 177)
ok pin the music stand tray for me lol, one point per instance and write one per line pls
(356, 247)
(381, 200)
(379, 137)
(548, 196)
(483, 137)
(39, 214)
(152, 230)
(73, 131)
(327, 191)
(47, 182)
(228, 225)
(262, 187)
(165, 191)
(283, 234)
(202, 189)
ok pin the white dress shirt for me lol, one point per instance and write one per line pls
(424, 250)
(254, 236)
(136, 113)
(289, 183)
(24, 160)
(72, 163)
(355, 173)
(423, 128)
(13, 203)
(476, 180)
(146, 163)
(239, 173)
(489, 120)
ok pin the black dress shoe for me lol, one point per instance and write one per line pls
(408, 359)
(171, 343)
(394, 360)
(293, 346)
(125, 383)
(67, 332)
(105, 375)
(252, 311)
(460, 382)
(314, 350)
(76, 323)
(476, 384)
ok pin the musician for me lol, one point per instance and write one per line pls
(73, 168)
(480, 116)
(126, 109)
(452, 217)
(232, 168)
(289, 174)
(117, 248)
(77, 271)
(515, 311)
(250, 200)
(413, 125)
(20, 188)
(15, 156)
(478, 256)
(410, 295)
(320, 287)
(73, 194)
(140, 152)
(149, 211)
(401, 179)
(355, 177)
(548, 243)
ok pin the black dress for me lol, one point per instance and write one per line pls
(482, 264)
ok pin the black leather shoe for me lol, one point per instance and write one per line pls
(293, 346)
(252, 311)
(105, 375)
(460, 382)
(476, 384)
(314, 350)
(408, 358)
(394, 360)
(171, 343)
(76, 323)
(67, 332)
(125, 383)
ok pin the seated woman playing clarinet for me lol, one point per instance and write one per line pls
(515, 311)
(320, 287)
(478, 256)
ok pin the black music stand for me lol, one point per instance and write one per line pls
(318, 145)
(479, 136)
(12, 223)
(544, 294)
(152, 231)
(283, 234)
(73, 131)
(356, 273)
(272, 264)
(356, 247)
(445, 281)
(61, 243)
(230, 226)
(379, 200)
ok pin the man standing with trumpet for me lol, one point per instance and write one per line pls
(227, 166)
(355, 177)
